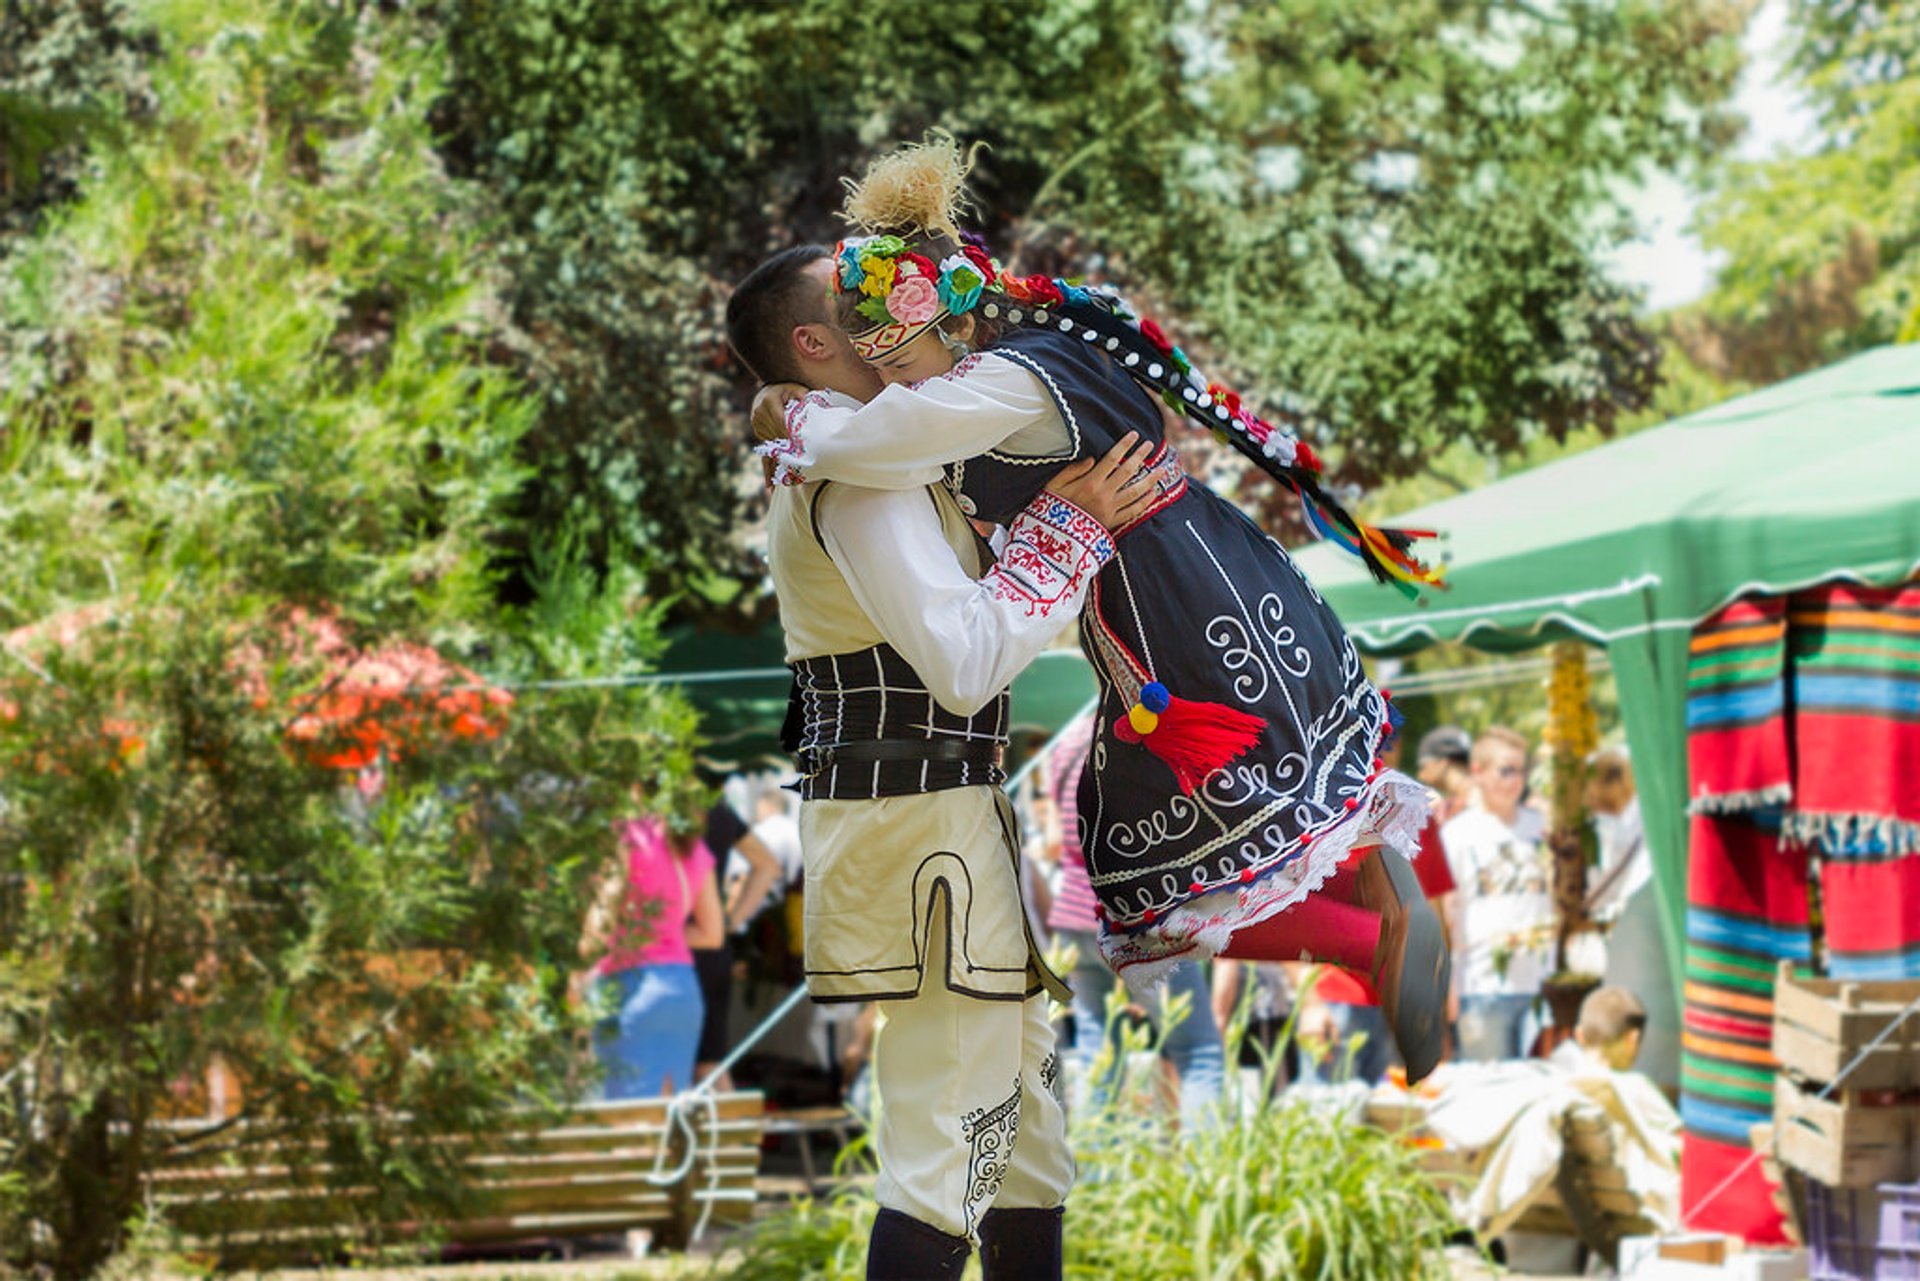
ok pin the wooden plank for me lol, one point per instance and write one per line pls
(1606, 1177)
(495, 1228)
(813, 1121)
(1617, 1202)
(1590, 1146)
(1394, 1116)
(1444, 1162)
(558, 1198)
(1547, 1217)
(1888, 1066)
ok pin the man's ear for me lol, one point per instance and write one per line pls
(812, 342)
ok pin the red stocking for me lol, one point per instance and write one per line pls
(1321, 927)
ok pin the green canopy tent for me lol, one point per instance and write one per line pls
(1628, 546)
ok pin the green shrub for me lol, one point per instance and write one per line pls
(1284, 1192)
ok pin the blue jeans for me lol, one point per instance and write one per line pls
(1192, 1045)
(649, 1043)
(1496, 1027)
(1362, 1048)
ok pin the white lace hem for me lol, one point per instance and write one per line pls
(1393, 813)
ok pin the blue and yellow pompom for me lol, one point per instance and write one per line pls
(1194, 739)
(1144, 715)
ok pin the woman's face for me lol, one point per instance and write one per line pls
(924, 357)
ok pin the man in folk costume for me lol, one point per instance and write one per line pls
(903, 634)
(1235, 803)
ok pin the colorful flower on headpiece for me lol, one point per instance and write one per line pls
(960, 283)
(1074, 294)
(1157, 336)
(976, 251)
(1043, 292)
(879, 275)
(885, 246)
(912, 264)
(849, 264)
(914, 300)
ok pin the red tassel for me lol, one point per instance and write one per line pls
(1196, 739)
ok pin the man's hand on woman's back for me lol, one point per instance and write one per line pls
(1107, 488)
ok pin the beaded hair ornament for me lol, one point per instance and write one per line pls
(917, 194)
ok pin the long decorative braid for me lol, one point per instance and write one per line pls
(1102, 318)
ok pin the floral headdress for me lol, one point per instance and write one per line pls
(905, 293)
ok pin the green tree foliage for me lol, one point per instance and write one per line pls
(1823, 249)
(1395, 208)
(245, 374)
(66, 67)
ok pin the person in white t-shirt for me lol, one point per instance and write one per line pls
(1503, 919)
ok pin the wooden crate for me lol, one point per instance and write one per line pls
(1843, 1141)
(1820, 1025)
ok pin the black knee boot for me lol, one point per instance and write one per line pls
(904, 1249)
(1022, 1245)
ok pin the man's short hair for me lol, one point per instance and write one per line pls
(1499, 736)
(1607, 1015)
(775, 297)
(1444, 743)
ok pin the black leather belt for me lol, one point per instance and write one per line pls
(982, 752)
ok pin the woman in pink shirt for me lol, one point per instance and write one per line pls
(647, 921)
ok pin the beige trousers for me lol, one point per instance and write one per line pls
(970, 1113)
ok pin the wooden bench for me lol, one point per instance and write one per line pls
(600, 1168)
(803, 1123)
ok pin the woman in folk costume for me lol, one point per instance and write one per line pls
(1234, 803)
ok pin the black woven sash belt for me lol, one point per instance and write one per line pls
(981, 752)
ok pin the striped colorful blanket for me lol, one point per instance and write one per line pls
(1737, 757)
(1747, 910)
(1856, 718)
(1803, 718)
